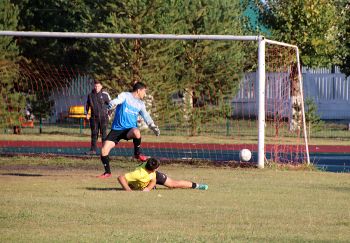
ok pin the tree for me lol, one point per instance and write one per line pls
(344, 37)
(119, 63)
(168, 67)
(209, 71)
(12, 103)
(200, 70)
(313, 120)
(251, 19)
(311, 25)
(50, 15)
(59, 16)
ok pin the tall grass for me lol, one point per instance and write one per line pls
(61, 200)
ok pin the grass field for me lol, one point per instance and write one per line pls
(61, 200)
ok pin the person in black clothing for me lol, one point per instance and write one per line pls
(97, 102)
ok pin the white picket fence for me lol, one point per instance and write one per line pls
(330, 91)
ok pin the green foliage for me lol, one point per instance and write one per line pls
(38, 97)
(208, 71)
(119, 63)
(53, 15)
(344, 37)
(11, 101)
(50, 15)
(313, 120)
(205, 71)
(39, 108)
(251, 18)
(311, 25)
(197, 68)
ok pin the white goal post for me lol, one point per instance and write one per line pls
(261, 73)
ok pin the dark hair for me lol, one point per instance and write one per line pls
(97, 82)
(138, 85)
(152, 164)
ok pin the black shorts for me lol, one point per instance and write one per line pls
(161, 178)
(117, 135)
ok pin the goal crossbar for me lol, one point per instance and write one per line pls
(127, 36)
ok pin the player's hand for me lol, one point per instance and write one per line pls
(110, 114)
(155, 129)
(111, 106)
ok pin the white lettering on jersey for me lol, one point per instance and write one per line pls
(127, 110)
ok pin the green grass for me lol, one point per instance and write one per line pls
(61, 200)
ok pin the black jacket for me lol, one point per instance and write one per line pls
(98, 102)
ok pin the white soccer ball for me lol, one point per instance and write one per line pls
(245, 155)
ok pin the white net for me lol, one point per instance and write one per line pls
(206, 109)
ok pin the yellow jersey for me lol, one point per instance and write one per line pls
(139, 178)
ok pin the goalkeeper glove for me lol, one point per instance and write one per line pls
(154, 128)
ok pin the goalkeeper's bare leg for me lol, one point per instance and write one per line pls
(106, 148)
(163, 179)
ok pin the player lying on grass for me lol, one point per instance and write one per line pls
(146, 176)
(142, 178)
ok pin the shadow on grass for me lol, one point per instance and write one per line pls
(21, 174)
(103, 189)
(114, 189)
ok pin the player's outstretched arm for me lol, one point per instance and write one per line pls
(145, 115)
(150, 185)
(154, 128)
(124, 183)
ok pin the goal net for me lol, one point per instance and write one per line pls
(211, 96)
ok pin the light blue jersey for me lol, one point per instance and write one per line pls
(127, 111)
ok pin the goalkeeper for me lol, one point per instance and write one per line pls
(128, 105)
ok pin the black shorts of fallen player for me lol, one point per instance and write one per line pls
(161, 178)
